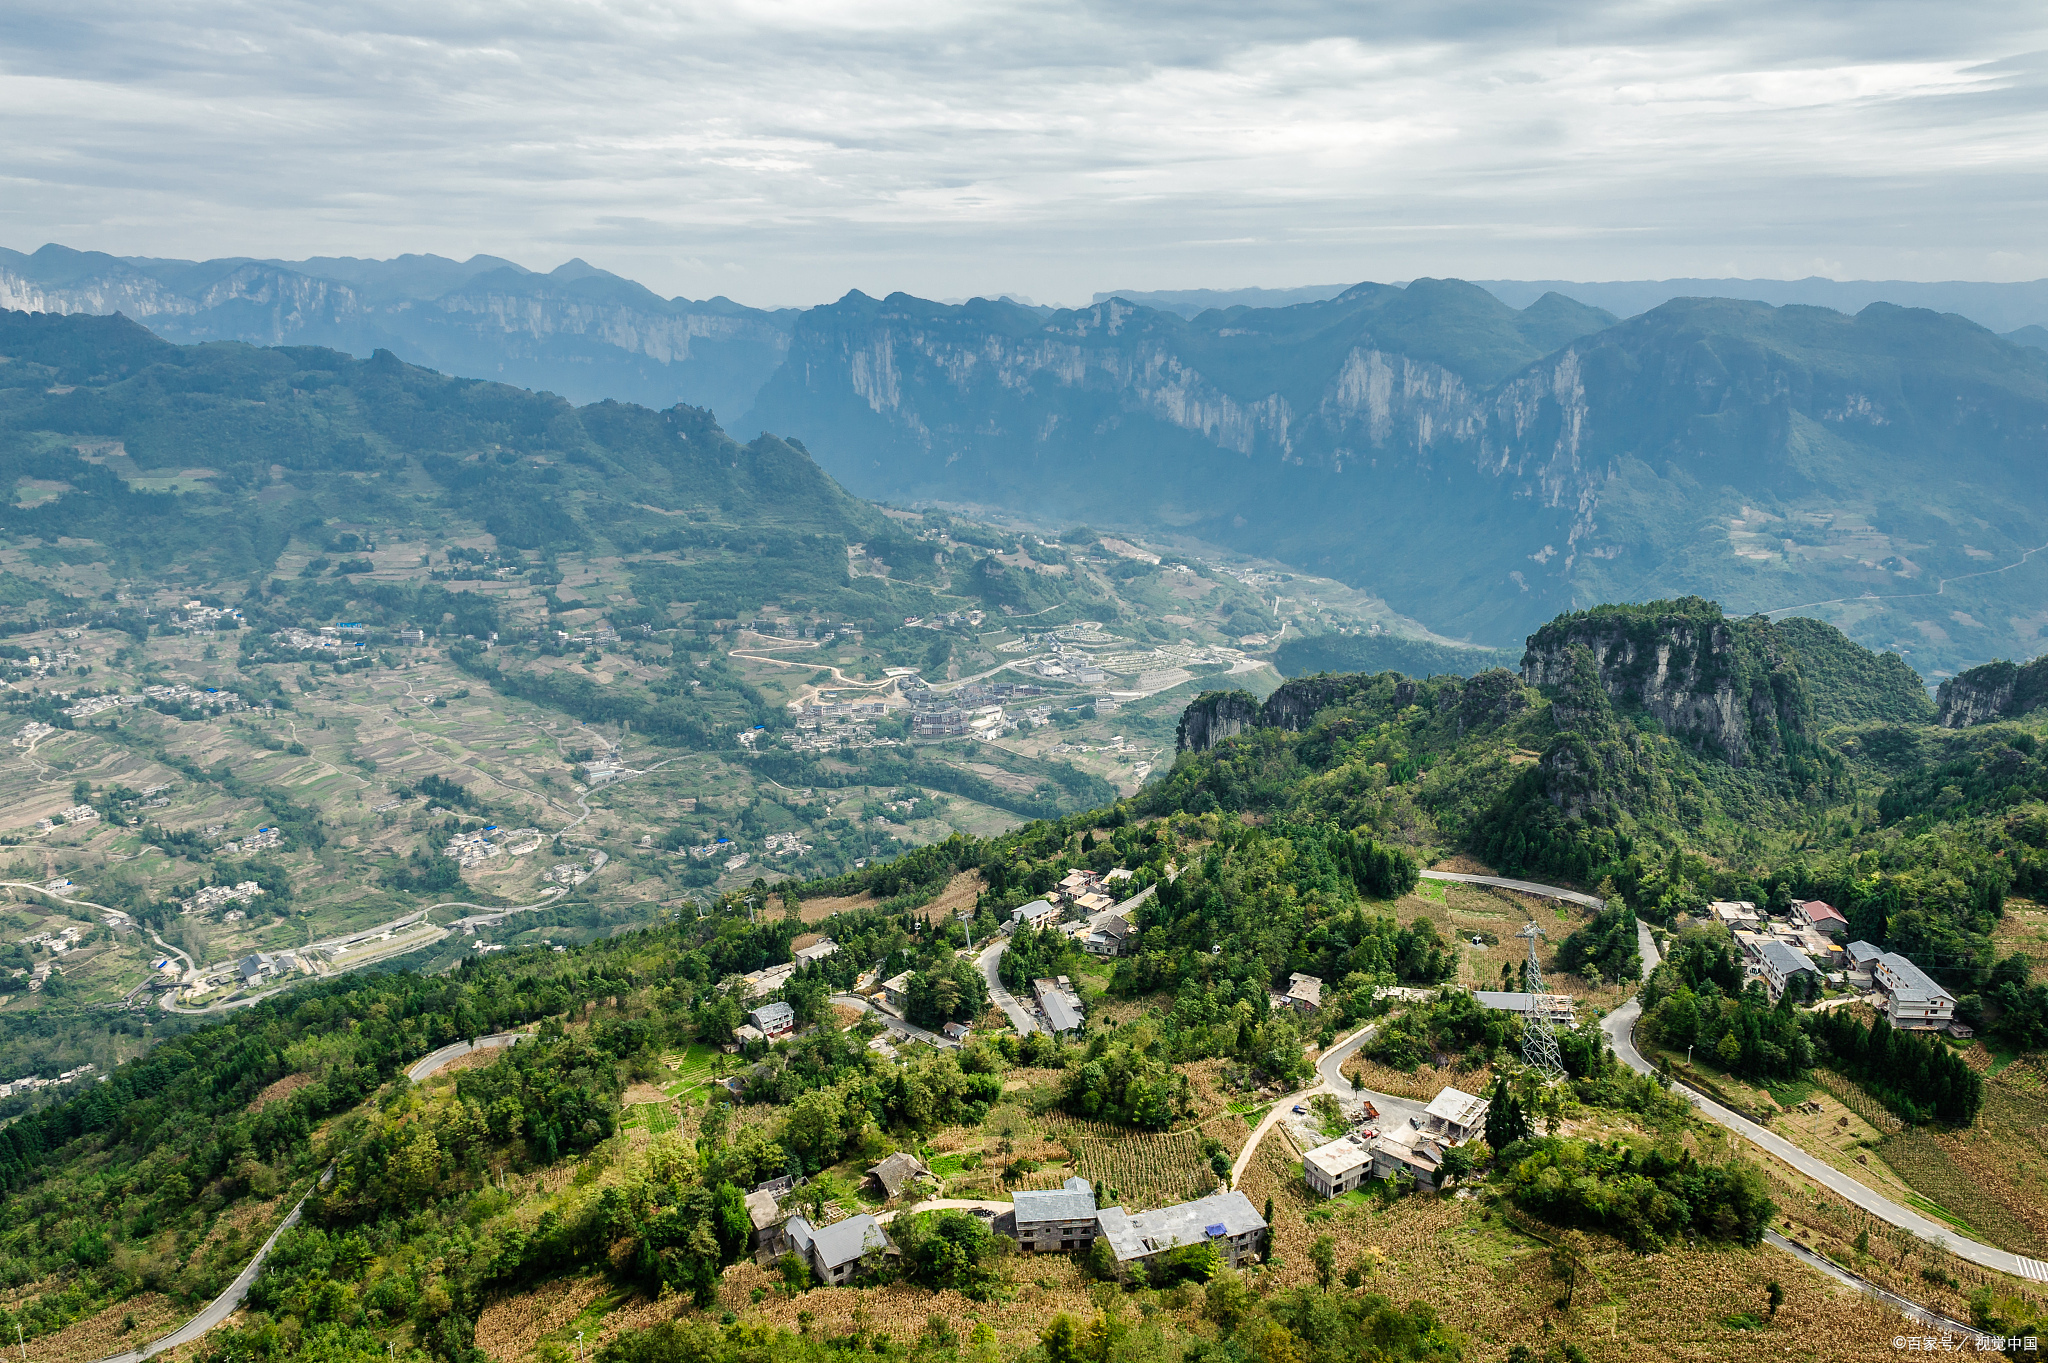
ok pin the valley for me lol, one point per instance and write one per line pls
(853, 874)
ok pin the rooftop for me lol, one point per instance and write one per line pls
(1819, 910)
(1786, 960)
(1914, 983)
(1190, 1223)
(1338, 1158)
(1074, 1202)
(1457, 1108)
(841, 1242)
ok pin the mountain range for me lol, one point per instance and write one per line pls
(577, 331)
(1482, 464)
(1481, 467)
(2016, 310)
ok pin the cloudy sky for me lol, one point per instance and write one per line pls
(784, 152)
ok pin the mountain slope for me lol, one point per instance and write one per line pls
(208, 457)
(1481, 468)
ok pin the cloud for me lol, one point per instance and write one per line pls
(1050, 149)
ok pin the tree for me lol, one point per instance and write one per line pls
(1506, 1121)
(1227, 1300)
(1776, 1296)
(1062, 1340)
(1323, 1255)
(1568, 1261)
(1457, 1163)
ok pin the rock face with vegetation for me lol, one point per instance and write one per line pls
(1997, 690)
(1731, 686)
(1766, 455)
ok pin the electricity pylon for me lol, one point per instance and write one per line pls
(1539, 1038)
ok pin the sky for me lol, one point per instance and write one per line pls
(784, 152)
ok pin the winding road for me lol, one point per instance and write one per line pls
(230, 1301)
(427, 1065)
(1587, 901)
(990, 960)
(1619, 1027)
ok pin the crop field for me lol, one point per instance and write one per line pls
(1145, 1169)
(509, 1328)
(1934, 1277)
(1993, 1176)
(1426, 1083)
(122, 1326)
(1496, 1286)
(690, 1070)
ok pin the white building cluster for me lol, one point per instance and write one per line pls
(213, 897)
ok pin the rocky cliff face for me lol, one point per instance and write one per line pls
(1730, 686)
(1564, 466)
(1997, 690)
(1214, 716)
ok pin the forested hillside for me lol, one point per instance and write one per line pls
(1679, 755)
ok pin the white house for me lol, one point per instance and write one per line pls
(1036, 914)
(1455, 1116)
(774, 1019)
(1338, 1167)
(1911, 998)
(1781, 963)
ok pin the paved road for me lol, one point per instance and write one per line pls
(1620, 1028)
(230, 1301)
(1646, 948)
(1020, 1017)
(1525, 886)
(1329, 1079)
(426, 1066)
(227, 1303)
(909, 1030)
(1911, 1309)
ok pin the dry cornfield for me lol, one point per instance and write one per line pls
(101, 1335)
(508, 1329)
(1146, 1169)
(1497, 1287)
(1426, 1083)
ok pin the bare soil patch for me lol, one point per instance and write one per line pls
(283, 1088)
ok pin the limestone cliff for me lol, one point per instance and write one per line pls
(1997, 690)
(1214, 716)
(1732, 687)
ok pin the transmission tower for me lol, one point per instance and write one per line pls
(1539, 1038)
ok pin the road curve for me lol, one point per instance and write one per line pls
(427, 1065)
(1620, 1028)
(990, 959)
(228, 1302)
(1588, 901)
(1329, 1079)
